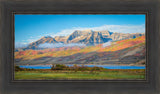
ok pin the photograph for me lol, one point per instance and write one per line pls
(79, 47)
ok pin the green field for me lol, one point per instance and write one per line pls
(78, 75)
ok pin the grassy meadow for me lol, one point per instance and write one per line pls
(70, 75)
(47, 74)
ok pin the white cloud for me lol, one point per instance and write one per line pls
(112, 28)
(107, 44)
(32, 40)
(20, 45)
(57, 45)
(63, 32)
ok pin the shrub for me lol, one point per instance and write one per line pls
(59, 67)
(75, 68)
(96, 68)
(17, 68)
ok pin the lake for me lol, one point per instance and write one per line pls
(104, 66)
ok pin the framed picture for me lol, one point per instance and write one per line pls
(75, 47)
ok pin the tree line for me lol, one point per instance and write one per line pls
(64, 67)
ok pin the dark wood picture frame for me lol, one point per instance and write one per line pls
(76, 13)
(149, 7)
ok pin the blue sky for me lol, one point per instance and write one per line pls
(29, 27)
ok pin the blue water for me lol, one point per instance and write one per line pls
(104, 66)
(36, 66)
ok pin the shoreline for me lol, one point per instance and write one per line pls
(79, 64)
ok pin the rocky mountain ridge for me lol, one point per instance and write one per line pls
(88, 37)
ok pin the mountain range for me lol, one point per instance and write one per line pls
(101, 47)
(87, 37)
(127, 51)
